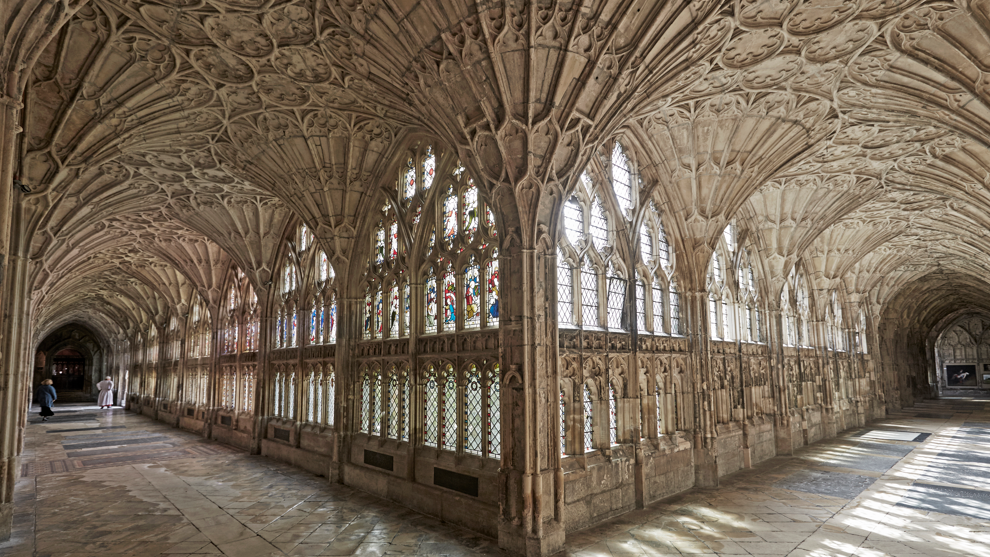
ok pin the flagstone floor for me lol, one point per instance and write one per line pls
(97, 483)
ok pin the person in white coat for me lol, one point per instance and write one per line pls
(106, 393)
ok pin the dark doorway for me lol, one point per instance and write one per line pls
(68, 370)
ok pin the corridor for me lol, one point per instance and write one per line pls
(114, 483)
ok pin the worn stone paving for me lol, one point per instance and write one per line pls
(848, 496)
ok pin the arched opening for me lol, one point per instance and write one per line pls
(75, 359)
(68, 370)
(962, 355)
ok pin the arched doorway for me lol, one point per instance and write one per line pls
(962, 355)
(68, 370)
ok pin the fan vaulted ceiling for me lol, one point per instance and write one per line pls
(166, 139)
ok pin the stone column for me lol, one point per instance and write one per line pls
(13, 387)
(530, 522)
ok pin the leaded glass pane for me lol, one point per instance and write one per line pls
(393, 406)
(431, 303)
(589, 423)
(759, 327)
(409, 181)
(658, 403)
(472, 411)
(332, 321)
(663, 247)
(429, 168)
(616, 300)
(320, 399)
(311, 398)
(726, 321)
(295, 330)
(493, 291)
(589, 296)
(279, 395)
(645, 243)
(321, 326)
(563, 423)
(368, 315)
(490, 221)
(380, 244)
(565, 295)
(640, 306)
(621, 182)
(393, 311)
(379, 313)
(407, 308)
(405, 408)
(657, 308)
(448, 415)
(599, 225)
(573, 221)
(365, 403)
(472, 296)
(431, 394)
(313, 328)
(449, 300)
(494, 414)
(290, 393)
(613, 416)
(449, 217)
(716, 269)
(393, 240)
(469, 215)
(749, 324)
(713, 315)
(376, 407)
(675, 310)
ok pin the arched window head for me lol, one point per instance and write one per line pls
(663, 246)
(645, 243)
(305, 238)
(715, 272)
(622, 180)
(290, 278)
(729, 235)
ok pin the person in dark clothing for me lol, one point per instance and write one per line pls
(46, 398)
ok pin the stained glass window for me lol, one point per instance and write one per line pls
(431, 303)
(589, 423)
(320, 326)
(247, 392)
(472, 296)
(449, 299)
(393, 405)
(565, 300)
(379, 314)
(431, 395)
(640, 306)
(429, 168)
(279, 395)
(657, 307)
(320, 398)
(493, 290)
(573, 221)
(393, 311)
(368, 313)
(589, 295)
(621, 182)
(295, 330)
(311, 397)
(313, 324)
(332, 325)
(449, 217)
(326, 272)
(599, 225)
(448, 416)
(409, 181)
(490, 222)
(675, 310)
(407, 306)
(472, 411)
(290, 393)
(365, 403)
(380, 244)
(432, 242)
(393, 240)
(563, 423)
(613, 415)
(469, 221)
(494, 414)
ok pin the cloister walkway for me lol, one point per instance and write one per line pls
(99, 483)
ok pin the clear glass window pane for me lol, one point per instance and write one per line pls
(589, 296)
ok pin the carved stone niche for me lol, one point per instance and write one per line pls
(466, 343)
(569, 338)
(284, 354)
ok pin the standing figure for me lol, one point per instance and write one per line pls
(106, 392)
(46, 398)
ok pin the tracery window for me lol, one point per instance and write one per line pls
(228, 387)
(172, 340)
(462, 285)
(613, 415)
(287, 318)
(284, 389)
(199, 331)
(231, 324)
(322, 326)
(750, 324)
(319, 395)
(247, 389)
(803, 314)
(387, 277)
(788, 317)
(835, 335)
(252, 320)
(861, 343)
(720, 313)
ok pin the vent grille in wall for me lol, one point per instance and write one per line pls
(378, 460)
(462, 483)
